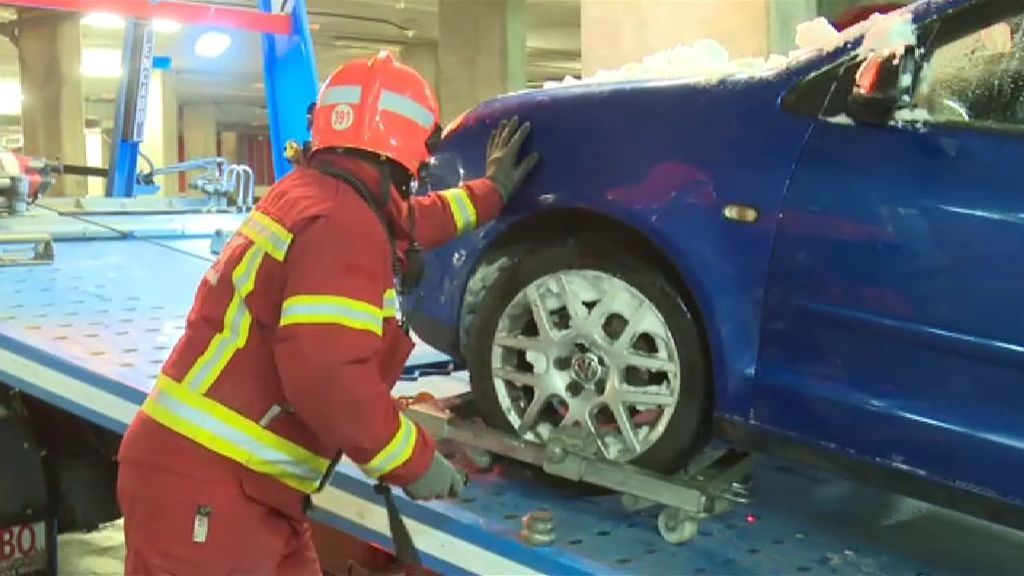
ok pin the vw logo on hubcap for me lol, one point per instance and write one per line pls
(586, 368)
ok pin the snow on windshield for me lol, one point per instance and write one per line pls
(708, 60)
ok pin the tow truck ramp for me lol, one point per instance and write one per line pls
(88, 332)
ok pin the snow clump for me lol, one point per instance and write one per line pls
(708, 60)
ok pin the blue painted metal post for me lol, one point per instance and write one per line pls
(291, 82)
(130, 117)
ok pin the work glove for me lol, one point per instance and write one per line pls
(503, 166)
(442, 480)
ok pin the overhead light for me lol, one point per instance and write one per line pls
(166, 26)
(101, 63)
(212, 44)
(10, 98)
(103, 20)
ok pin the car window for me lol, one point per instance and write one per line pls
(977, 79)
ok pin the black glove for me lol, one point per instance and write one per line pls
(503, 147)
(441, 480)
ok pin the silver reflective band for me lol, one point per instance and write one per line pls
(341, 95)
(393, 102)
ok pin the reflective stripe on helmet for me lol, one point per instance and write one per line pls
(341, 95)
(228, 433)
(337, 310)
(463, 211)
(407, 108)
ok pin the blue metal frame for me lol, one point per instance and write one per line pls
(291, 81)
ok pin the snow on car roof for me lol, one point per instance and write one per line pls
(708, 60)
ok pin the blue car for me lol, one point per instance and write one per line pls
(824, 261)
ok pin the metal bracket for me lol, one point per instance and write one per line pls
(706, 488)
(28, 249)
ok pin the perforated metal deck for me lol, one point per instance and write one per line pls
(89, 333)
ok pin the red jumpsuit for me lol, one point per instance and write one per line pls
(289, 356)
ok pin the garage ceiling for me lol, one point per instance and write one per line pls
(342, 29)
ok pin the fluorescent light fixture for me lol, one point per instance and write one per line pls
(10, 98)
(166, 26)
(103, 20)
(212, 44)
(101, 63)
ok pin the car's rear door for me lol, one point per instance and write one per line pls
(894, 314)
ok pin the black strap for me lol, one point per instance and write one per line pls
(364, 192)
(405, 549)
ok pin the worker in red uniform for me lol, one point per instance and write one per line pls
(293, 345)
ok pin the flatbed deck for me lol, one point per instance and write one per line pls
(89, 332)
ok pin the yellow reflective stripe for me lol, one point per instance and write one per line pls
(237, 321)
(338, 310)
(462, 207)
(234, 436)
(390, 303)
(267, 234)
(396, 453)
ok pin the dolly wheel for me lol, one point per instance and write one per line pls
(676, 526)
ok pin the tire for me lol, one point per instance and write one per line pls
(612, 261)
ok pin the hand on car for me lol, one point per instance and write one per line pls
(441, 480)
(503, 166)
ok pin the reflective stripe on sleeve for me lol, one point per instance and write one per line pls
(462, 207)
(390, 303)
(338, 310)
(237, 322)
(224, 431)
(397, 452)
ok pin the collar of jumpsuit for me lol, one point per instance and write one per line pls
(369, 174)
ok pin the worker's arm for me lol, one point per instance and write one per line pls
(328, 345)
(441, 216)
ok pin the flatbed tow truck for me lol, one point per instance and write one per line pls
(94, 292)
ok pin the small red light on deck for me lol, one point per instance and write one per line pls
(751, 519)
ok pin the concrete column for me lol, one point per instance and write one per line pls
(49, 56)
(160, 140)
(616, 32)
(229, 146)
(481, 52)
(199, 126)
(783, 18)
(423, 59)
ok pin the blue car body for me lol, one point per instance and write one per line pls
(871, 319)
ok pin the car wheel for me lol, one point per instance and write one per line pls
(586, 333)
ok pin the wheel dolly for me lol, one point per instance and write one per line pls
(707, 487)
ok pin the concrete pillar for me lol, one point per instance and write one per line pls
(49, 56)
(616, 32)
(160, 140)
(229, 146)
(199, 126)
(481, 52)
(423, 59)
(783, 18)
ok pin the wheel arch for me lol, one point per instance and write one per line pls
(559, 223)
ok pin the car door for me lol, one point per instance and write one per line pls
(893, 325)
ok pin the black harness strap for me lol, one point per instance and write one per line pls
(405, 549)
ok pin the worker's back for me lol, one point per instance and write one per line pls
(227, 352)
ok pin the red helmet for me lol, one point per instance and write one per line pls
(378, 105)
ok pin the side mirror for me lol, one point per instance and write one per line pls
(884, 83)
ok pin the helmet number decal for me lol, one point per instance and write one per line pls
(342, 117)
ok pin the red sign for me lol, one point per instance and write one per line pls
(184, 13)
